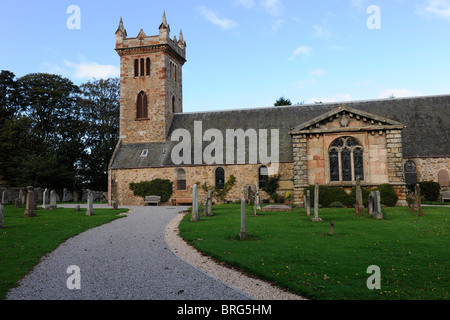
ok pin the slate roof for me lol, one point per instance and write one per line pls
(426, 132)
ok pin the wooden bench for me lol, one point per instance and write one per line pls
(152, 199)
(445, 196)
(179, 201)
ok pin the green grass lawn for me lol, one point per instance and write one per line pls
(412, 252)
(24, 241)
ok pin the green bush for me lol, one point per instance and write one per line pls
(156, 187)
(271, 185)
(328, 195)
(430, 190)
(387, 194)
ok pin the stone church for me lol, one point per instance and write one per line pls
(397, 141)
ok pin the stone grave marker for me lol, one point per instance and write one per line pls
(359, 206)
(257, 200)
(375, 205)
(90, 203)
(194, 216)
(52, 200)
(316, 204)
(243, 232)
(30, 208)
(46, 202)
(5, 199)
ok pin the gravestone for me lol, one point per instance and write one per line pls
(2, 216)
(194, 216)
(249, 193)
(77, 208)
(65, 195)
(359, 207)
(52, 200)
(90, 203)
(257, 200)
(17, 203)
(5, 195)
(316, 204)
(46, 202)
(443, 178)
(115, 204)
(375, 205)
(30, 208)
(308, 203)
(243, 232)
(205, 207)
(22, 195)
(417, 199)
(210, 199)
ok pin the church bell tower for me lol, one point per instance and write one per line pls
(150, 83)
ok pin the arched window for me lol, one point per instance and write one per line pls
(220, 178)
(173, 104)
(147, 67)
(346, 160)
(410, 172)
(181, 179)
(136, 68)
(142, 106)
(142, 67)
(263, 176)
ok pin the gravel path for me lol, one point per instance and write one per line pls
(127, 259)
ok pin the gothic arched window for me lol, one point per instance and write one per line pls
(142, 106)
(410, 172)
(136, 68)
(147, 67)
(220, 178)
(346, 160)
(263, 176)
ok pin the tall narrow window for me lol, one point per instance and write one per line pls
(142, 106)
(263, 176)
(142, 67)
(346, 160)
(173, 104)
(181, 179)
(147, 67)
(410, 172)
(136, 68)
(220, 178)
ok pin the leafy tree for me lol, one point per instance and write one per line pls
(282, 101)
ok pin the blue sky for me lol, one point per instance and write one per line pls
(247, 53)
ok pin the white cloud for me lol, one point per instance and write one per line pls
(273, 7)
(318, 73)
(247, 4)
(335, 98)
(89, 70)
(320, 32)
(398, 93)
(302, 50)
(214, 18)
(438, 8)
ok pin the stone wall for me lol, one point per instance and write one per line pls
(246, 174)
(428, 168)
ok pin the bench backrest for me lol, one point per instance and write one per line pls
(152, 198)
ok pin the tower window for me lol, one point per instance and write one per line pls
(263, 176)
(181, 179)
(136, 68)
(173, 104)
(147, 67)
(142, 106)
(142, 68)
(220, 178)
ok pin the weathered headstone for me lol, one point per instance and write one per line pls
(90, 203)
(17, 203)
(359, 206)
(316, 204)
(194, 216)
(205, 207)
(308, 203)
(5, 198)
(22, 195)
(46, 202)
(65, 196)
(257, 200)
(53, 200)
(30, 210)
(243, 232)
(210, 199)
(375, 205)
(115, 204)
(417, 199)
(77, 208)
(2, 216)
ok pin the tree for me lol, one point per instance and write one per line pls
(282, 101)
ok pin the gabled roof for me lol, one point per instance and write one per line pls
(368, 121)
(426, 122)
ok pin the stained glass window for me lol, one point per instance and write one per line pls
(346, 164)
(334, 165)
(346, 160)
(358, 163)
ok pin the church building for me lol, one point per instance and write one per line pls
(398, 141)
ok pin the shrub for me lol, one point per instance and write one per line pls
(430, 190)
(388, 196)
(271, 185)
(156, 187)
(336, 204)
(328, 195)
